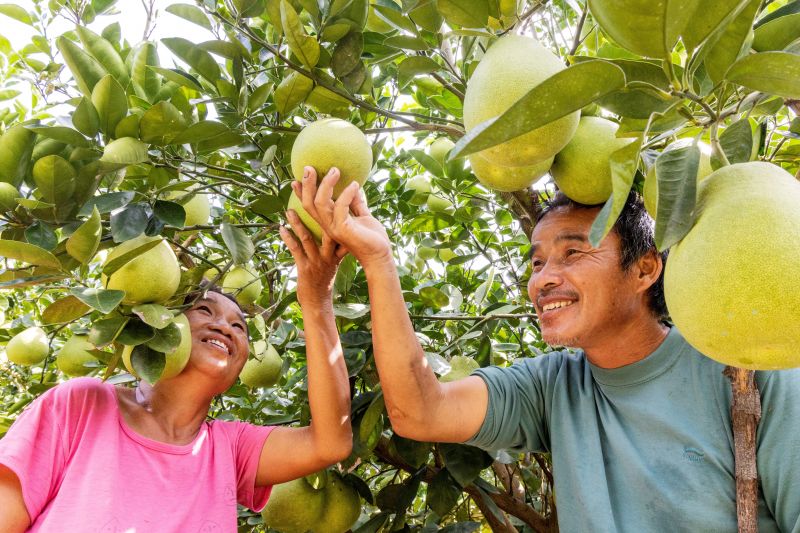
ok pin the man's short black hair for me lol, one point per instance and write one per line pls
(635, 229)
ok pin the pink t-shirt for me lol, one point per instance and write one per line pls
(82, 469)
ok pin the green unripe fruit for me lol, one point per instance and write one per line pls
(28, 347)
(461, 366)
(308, 221)
(150, 277)
(174, 361)
(437, 204)
(264, 369)
(243, 283)
(507, 179)
(196, 206)
(8, 197)
(71, 358)
(421, 187)
(440, 148)
(294, 507)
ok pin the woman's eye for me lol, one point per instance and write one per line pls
(238, 325)
(204, 308)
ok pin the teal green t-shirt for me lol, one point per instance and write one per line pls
(648, 446)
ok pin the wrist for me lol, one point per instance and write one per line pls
(379, 260)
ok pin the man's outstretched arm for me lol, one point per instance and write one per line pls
(419, 406)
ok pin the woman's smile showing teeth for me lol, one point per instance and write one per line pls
(219, 344)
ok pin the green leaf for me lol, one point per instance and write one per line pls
(178, 77)
(407, 42)
(464, 462)
(119, 262)
(85, 118)
(105, 203)
(413, 452)
(372, 422)
(195, 57)
(64, 310)
(426, 16)
(55, 179)
(161, 124)
(146, 82)
(16, 146)
(129, 222)
(154, 315)
(304, 47)
(676, 171)
(28, 253)
(731, 43)
(16, 13)
(191, 13)
(105, 53)
(565, 92)
(326, 101)
(201, 131)
(86, 70)
(42, 235)
(82, 245)
(769, 72)
(123, 152)
(708, 17)
(62, 134)
(347, 55)
(165, 339)
(350, 311)
(103, 300)
(395, 18)
(135, 333)
(443, 493)
(111, 103)
(414, 66)
(238, 243)
(777, 34)
(148, 363)
(433, 297)
(465, 13)
(737, 141)
(623, 171)
(9, 94)
(171, 213)
(105, 330)
(292, 91)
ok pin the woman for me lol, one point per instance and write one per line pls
(90, 456)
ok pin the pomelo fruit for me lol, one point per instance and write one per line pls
(507, 179)
(197, 206)
(150, 277)
(730, 284)
(440, 148)
(332, 142)
(244, 283)
(581, 170)
(294, 507)
(342, 507)
(264, 369)
(71, 357)
(28, 347)
(650, 190)
(461, 366)
(176, 360)
(421, 186)
(308, 221)
(510, 68)
(8, 197)
(439, 204)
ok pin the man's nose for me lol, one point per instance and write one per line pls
(548, 276)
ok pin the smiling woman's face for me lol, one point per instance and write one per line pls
(219, 337)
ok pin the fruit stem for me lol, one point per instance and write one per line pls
(745, 414)
(716, 147)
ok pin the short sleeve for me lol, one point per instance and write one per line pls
(515, 416)
(35, 449)
(778, 453)
(249, 443)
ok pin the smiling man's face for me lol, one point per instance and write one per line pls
(219, 336)
(577, 290)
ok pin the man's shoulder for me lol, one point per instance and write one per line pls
(545, 365)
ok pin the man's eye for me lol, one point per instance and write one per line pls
(537, 264)
(572, 251)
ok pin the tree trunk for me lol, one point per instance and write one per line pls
(745, 412)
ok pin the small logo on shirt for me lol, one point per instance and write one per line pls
(693, 454)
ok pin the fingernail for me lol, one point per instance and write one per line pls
(332, 171)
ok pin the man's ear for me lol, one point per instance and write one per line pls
(647, 270)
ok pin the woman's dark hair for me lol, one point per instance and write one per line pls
(206, 286)
(636, 234)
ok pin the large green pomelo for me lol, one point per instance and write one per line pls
(71, 358)
(28, 347)
(308, 221)
(440, 148)
(582, 170)
(439, 204)
(731, 284)
(16, 147)
(151, 277)
(461, 366)
(8, 197)
(513, 66)
(196, 206)
(264, 369)
(332, 142)
(650, 189)
(244, 283)
(175, 361)
(421, 186)
(507, 179)
(342, 507)
(294, 507)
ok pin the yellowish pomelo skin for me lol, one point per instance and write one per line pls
(342, 507)
(507, 179)
(243, 283)
(308, 221)
(28, 347)
(421, 187)
(71, 357)
(8, 197)
(650, 189)
(151, 277)
(332, 142)
(175, 361)
(581, 170)
(731, 284)
(264, 369)
(198, 208)
(511, 67)
(294, 507)
(440, 148)
(461, 366)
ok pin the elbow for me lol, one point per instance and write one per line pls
(332, 451)
(405, 424)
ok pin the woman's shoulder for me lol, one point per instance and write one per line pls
(79, 391)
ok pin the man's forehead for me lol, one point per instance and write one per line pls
(565, 235)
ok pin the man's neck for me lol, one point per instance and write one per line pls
(627, 344)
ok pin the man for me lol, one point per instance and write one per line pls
(638, 422)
